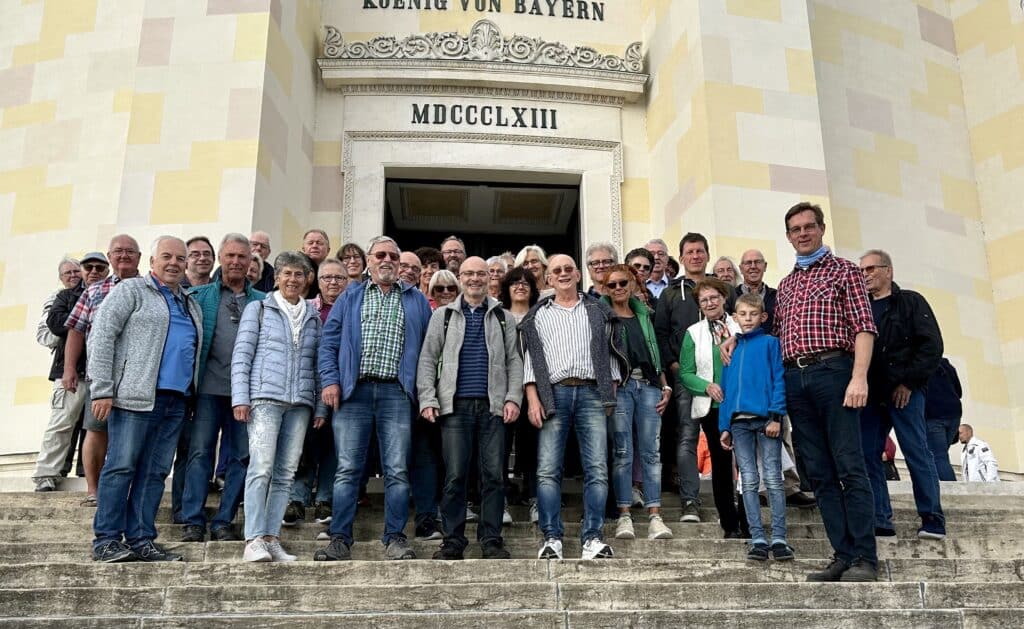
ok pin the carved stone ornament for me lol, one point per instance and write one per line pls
(484, 43)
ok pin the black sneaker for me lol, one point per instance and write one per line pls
(295, 512)
(884, 532)
(225, 534)
(148, 551)
(448, 552)
(496, 550)
(322, 512)
(782, 552)
(113, 552)
(800, 500)
(758, 552)
(860, 571)
(337, 550)
(832, 572)
(427, 530)
(193, 533)
(733, 535)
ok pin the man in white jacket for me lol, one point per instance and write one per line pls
(977, 460)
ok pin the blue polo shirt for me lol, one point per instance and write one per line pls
(178, 359)
(472, 379)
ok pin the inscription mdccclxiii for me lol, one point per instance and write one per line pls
(485, 116)
(569, 9)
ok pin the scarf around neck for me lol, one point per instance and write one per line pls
(804, 262)
(295, 313)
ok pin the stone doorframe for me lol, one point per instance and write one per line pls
(367, 155)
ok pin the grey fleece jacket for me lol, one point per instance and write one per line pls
(126, 344)
(438, 368)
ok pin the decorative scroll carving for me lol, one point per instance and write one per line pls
(485, 42)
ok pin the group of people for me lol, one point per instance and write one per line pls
(437, 364)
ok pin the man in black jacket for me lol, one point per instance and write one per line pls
(907, 351)
(65, 405)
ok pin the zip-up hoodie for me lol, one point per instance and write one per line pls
(754, 381)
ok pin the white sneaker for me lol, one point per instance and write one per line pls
(534, 511)
(550, 549)
(323, 536)
(277, 552)
(638, 497)
(657, 529)
(624, 529)
(471, 515)
(256, 550)
(596, 549)
(506, 518)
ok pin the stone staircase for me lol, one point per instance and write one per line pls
(975, 578)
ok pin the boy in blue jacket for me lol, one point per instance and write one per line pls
(750, 422)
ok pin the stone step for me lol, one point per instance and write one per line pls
(952, 548)
(365, 528)
(87, 574)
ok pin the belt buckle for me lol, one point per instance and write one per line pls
(800, 362)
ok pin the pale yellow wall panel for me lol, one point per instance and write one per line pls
(61, 18)
(663, 110)
(279, 58)
(960, 196)
(1009, 319)
(758, 9)
(1006, 255)
(830, 24)
(1003, 136)
(190, 196)
(989, 24)
(32, 390)
(13, 318)
(251, 36)
(845, 228)
(147, 115)
(25, 115)
(636, 200)
(874, 172)
(800, 71)
(42, 210)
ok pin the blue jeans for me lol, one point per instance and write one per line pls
(942, 434)
(426, 471)
(275, 435)
(909, 424)
(139, 457)
(471, 422)
(318, 464)
(213, 412)
(826, 436)
(386, 407)
(635, 409)
(580, 408)
(748, 440)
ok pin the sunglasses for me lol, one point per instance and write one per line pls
(642, 267)
(445, 288)
(619, 284)
(94, 267)
(390, 255)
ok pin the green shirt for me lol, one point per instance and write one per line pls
(383, 330)
(688, 368)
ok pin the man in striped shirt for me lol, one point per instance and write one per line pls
(571, 372)
(823, 320)
(470, 381)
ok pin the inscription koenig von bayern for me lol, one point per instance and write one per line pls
(571, 9)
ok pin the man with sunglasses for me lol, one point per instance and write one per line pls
(570, 374)
(66, 406)
(368, 354)
(222, 302)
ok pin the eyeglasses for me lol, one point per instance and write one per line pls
(619, 284)
(352, 257)
(124, 252)
(711, 299)
(642, 267)
(871, 268)
(453, 252)
(468, 274)
(602, 262)
(658, 254)
(259, 245)
(494, 272)
(752, 263)
(333, 279)
(533, 262)
(94, 267)
(520, 283)
(563, 269)
(390, 255)
(200, 254)
(71, 272)
(446, 288)
(796, 230)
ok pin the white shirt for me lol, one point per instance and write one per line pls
(565, 334)
(978, 462)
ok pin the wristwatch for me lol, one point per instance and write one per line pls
(667, 388)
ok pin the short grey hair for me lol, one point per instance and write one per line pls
(498, 260)
(657, 241)
(444, 274)
(294, 259)
(883, 256)
(606, 246)
(735, 271)
(67, 260)
(160, 239)
(525, 251)
(329, 262)
(379, 239)
(233, 237)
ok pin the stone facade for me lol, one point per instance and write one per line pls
(902, 119)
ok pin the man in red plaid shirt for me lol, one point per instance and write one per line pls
(823, 320)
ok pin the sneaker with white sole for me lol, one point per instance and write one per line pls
(624, 529)
(550, 549)
(534, 511)
(657, 529)
(638, 498)
(256, 550)
(277, 552)
(323, 536)
(691, 512)
(596, 549)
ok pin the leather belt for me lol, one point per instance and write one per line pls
(576, 382)
(801, 362)
(378, 380)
